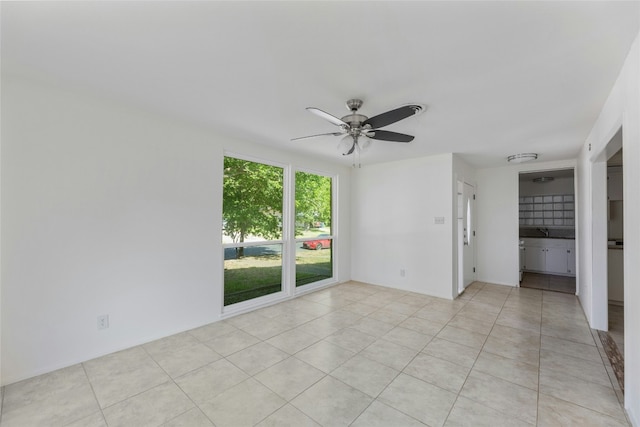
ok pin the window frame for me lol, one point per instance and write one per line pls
(265, 299)
(288, 241)
(299, 290)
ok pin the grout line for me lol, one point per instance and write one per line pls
(95, 396)
(539, 358)
(192, 401)
(467, 376)
(171, 379)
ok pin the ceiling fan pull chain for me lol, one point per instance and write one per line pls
(355, 153)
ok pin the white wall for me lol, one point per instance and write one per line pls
(497, 213)
(393, 208)
(110, 210)
(463, 171)
(1, 389)
(621, 109)
(497, 237)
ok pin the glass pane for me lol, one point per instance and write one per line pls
(313, 205)
(252, 201)
(314, 261)
(252, 272)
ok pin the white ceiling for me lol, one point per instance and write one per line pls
(498, 78)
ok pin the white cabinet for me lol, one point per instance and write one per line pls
(552, 256)
(556, 260)
(534, 258)
(571, 261)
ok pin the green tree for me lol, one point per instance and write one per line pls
(252, 200)
(313, 200)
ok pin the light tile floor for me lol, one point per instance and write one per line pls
(353, 354)
(548, 282)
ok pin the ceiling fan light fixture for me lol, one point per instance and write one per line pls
(522, 157)
(364, 143)
(345, 144)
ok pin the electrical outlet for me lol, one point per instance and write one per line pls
(103, 321)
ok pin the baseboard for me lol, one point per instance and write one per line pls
(498, 282)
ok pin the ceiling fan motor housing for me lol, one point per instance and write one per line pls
(354, 119)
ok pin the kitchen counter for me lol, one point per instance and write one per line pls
(554, 233)
(559, 242)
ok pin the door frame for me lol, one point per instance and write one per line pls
(599, 202)
(460, 216)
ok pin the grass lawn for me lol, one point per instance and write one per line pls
(252, 277)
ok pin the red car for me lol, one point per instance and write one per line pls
(317, 244)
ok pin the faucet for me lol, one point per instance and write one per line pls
(544, 231)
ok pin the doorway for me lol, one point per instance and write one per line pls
(466, 235)
(613, 339)
(547, 230)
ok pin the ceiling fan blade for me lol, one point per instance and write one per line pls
(320, 134)
(385, 119)
(333, 119)
(385, 135)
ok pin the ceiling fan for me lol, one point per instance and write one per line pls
(359, 129)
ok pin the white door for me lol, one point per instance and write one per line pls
(468, 235)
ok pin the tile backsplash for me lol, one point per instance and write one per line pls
(548, 210)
